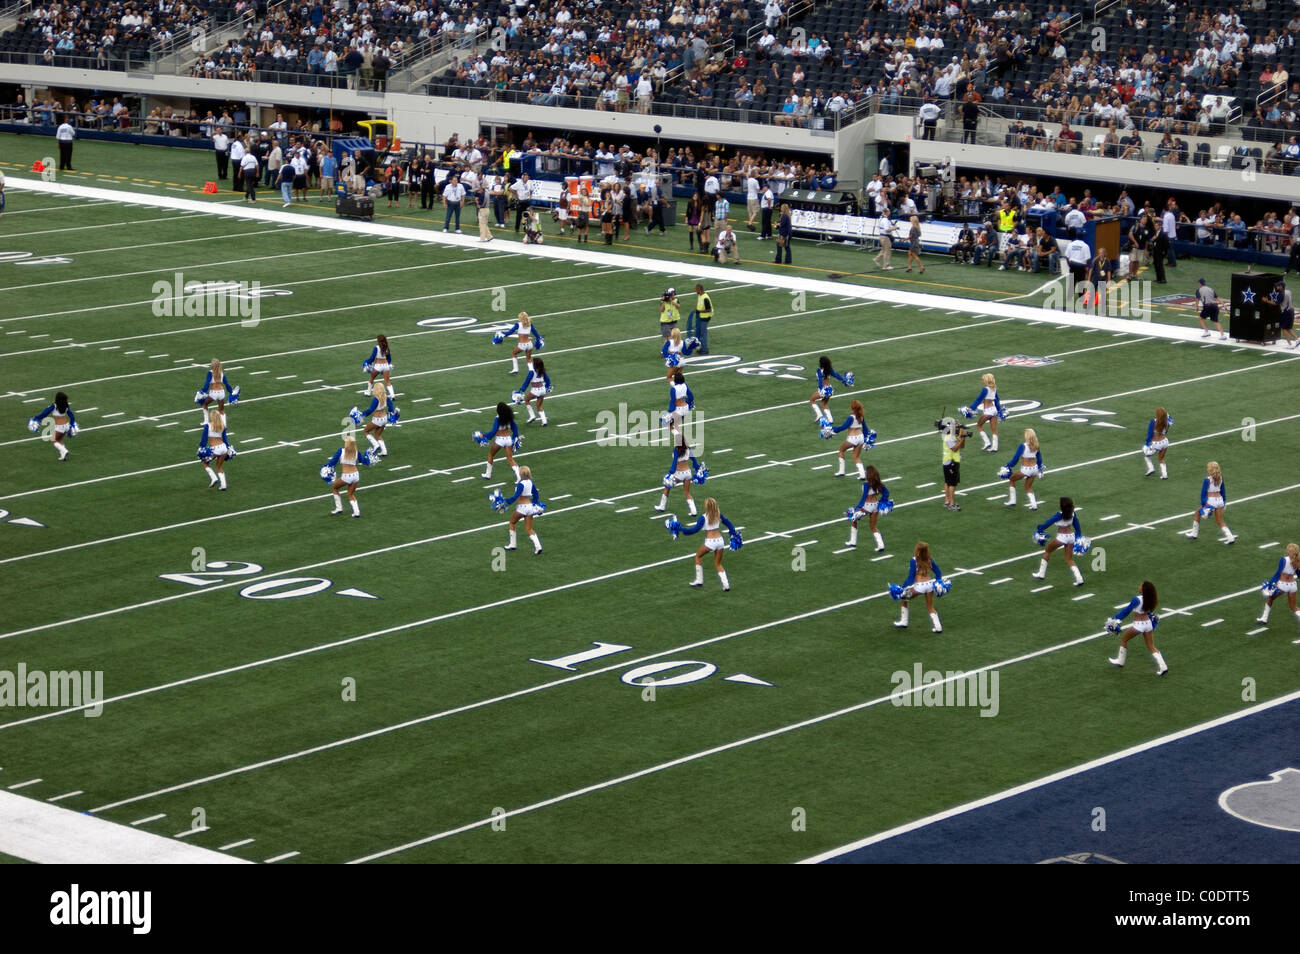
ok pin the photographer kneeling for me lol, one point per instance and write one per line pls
(726, 246)
(954, 439)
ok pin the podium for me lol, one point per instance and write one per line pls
(1253, 316)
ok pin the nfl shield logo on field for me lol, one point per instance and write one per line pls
(1027, 361)
(1271, 804)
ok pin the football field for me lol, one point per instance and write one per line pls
(281, 684)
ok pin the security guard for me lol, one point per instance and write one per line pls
(669, 313)
(1006, 217)
(697, 322)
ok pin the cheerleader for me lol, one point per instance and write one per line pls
(712, 521)
(65, 424)
(527, 337)
(685, 469)
(562, 211)
(341, 471)
(537, 384)
(381, 412)
(858, 437)
(215, 449)
(1214, 498)
(379, 362)
(875, 501)
(676, 348)
(530, 505)
(824, 390)
(1283, 581)
(923, 578)
(1069, 537)
(1142, 607)
(1157, 442)
(503, 436)
(216, 387)
(987, 408)
(1026, 464)
(680, 400)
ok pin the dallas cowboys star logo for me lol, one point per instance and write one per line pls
(1248, 296)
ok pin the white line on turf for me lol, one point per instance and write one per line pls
(1005, 579)
(1209, 623)
(237, 844)
(59, 798)
(149, 818)
(1082, 596)
(1041, 588)
(284, 857)
(30, 781)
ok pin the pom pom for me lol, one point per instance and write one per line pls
(517, 397)
(692, 342)
(1040, 538)
(1269, 588)
(355, 414)
(673, 526)
(1155, 621)
(234, 395)
(1207, 511)
(395, 416)
(871, 439)
(74, 430)
(366, 367)
(1042, 472)
(541, 508)
(852, 514)
(498, 338)
(327, 474)
(1002, 414)
(895, 591)
(967, 413)
(665, 417)
(848, 378)
(480, 439)
(519, 442)
(826, 430)
(885, 507)
(1082, 545)
(205, 454)
(541, 342)
(827, 391)
(367, 458)
(548, 389)
(1112, 626)
(230, 452)
(701, 474)
(668, 480)
(200, 397)
(1004, 473)
(33, 425)
(672, 361)
(941, 587)
(1148, 450)
(496, 501)
(736, 543)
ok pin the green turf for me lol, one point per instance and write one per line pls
(450, 640)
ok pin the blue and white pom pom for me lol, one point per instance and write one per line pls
(205, 453)
(200, 397)
(896, 592)
(1004, 473)
(366, 366)
(327, 474)
(394, 417)
(1003, 415)
(851, 514)
(941, 587)
(693, 342)
(1207, 511)
(519, 442)
(665, 417)
(1269, 589)
(517, 397)
(826, 430)
(234, 395)
(498, 338)
(33, 425)
(1082, 545)
(1112, 626)
(701, 474)
(885, 507)
(673, 526)
(1148, 450)
(735, 543)
(848, 379)
(668, 481)
(479, 439)
(539, 508)
(496, 501)
(870, 439)
(541, 342)
(1040, 538)
(827, 391)
(672, 361)
(967, 413)
(367, 458)
(355, 414)
(230, 452)
(1155, 621)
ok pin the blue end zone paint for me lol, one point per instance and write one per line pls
(1162, 805)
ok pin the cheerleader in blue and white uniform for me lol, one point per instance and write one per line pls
(1214, 498)
(680, 400)
(711, 522)
(215, 449)
(537, 384)
(987, 409)
(821, 398)
(685, 470)
(527, 339)
(381, 412)
(1069, 537)
(1157, 442)
(530, 505)
(379, 362)
(1283, 581)
(1025, 464)
(504, 436)
(676, 348)
(64, 421)
(1142, 607)
(924, 578)
(859, 436)
(875, 501)
(216, 387)
(340, 471)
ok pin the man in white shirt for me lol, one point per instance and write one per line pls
(929, 113)
(873, 191)
(523, 192)
(65, 135)
(726, 246)
(644, 93)
(237, 163)
(766, 200)
(221, 148)
(711, 188)
(250, 168)
(886, 231)
(751, 199)
(1075, 221)
(1079, 257)
(453, 196)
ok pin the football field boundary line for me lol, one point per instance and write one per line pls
(1054, 777)
(651, 265)
(763, 736)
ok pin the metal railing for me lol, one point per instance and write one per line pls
(796, 10)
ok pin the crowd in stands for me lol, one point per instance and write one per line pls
(104, 31)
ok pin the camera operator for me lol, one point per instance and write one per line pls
(954, 439)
